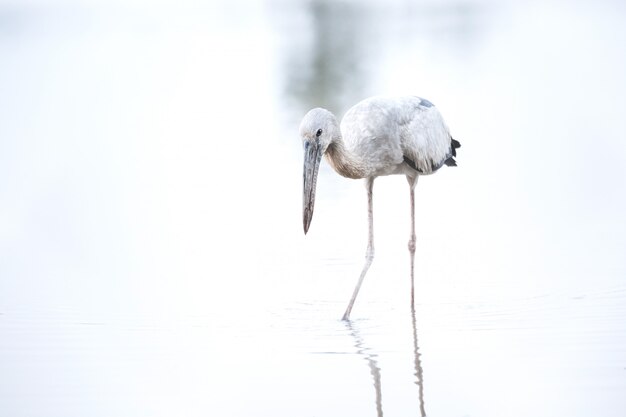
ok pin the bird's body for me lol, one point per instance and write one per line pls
(378, 136)
(382, 132)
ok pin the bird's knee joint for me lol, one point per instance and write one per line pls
(412, 245)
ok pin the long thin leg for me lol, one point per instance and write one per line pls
(412, 182)
(369, 254)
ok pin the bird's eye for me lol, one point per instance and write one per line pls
(319, 133)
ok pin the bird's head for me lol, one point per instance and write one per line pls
(318, 129)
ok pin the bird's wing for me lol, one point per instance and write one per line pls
(367, 131)
(425, 139)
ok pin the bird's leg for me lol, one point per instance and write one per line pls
(412, 182)
(369, 254)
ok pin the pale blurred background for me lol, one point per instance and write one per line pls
(152, 259)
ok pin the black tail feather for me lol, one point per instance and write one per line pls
(455, 144)
(450, 162)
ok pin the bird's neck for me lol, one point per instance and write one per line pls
(345, 162)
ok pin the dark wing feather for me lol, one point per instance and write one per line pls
(448, 160)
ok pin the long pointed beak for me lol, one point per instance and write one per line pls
(312, 158)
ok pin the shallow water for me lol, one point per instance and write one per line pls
(152, 260)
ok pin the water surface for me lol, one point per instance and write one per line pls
(152, 260)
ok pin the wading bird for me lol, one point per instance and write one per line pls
(378, 136)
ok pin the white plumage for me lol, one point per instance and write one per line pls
(383, 131)
(378, 136)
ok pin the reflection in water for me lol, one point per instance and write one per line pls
(371, 357)
(419, 373)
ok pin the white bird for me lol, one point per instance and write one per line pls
(378, 136)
